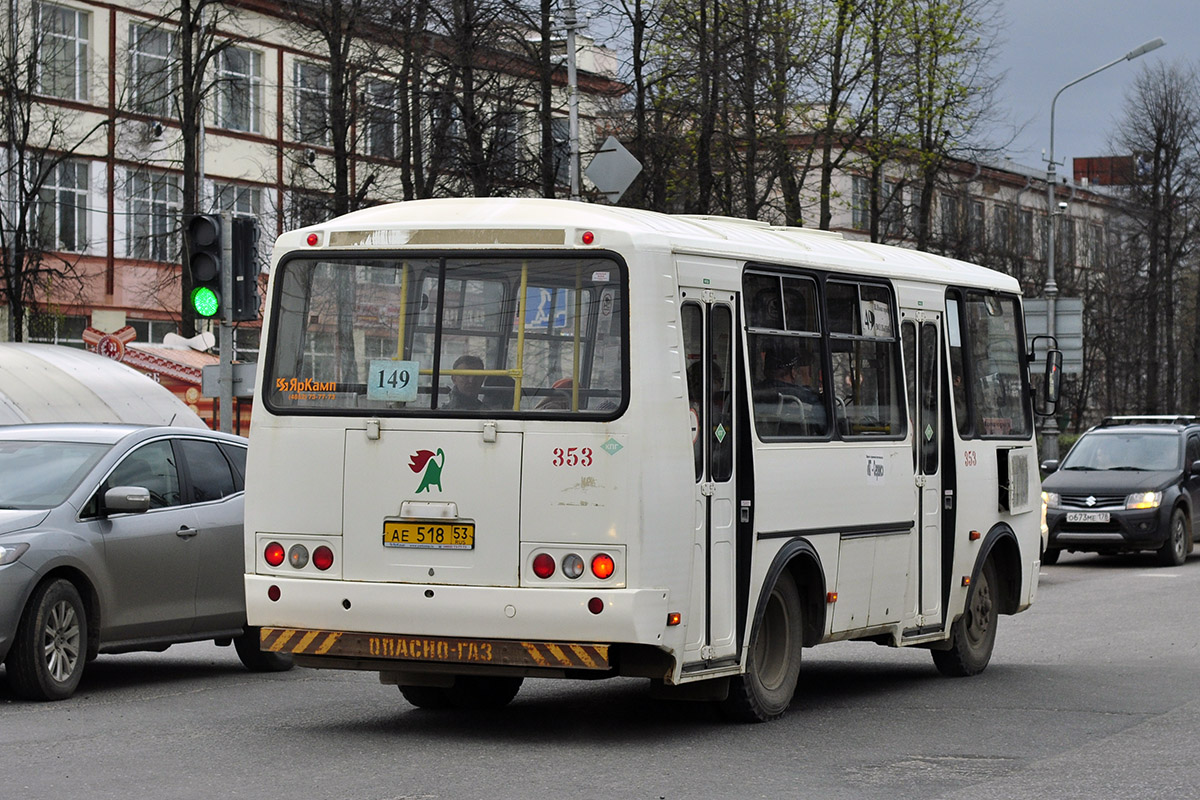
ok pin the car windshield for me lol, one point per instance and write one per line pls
(1125, 451)
(42, 474)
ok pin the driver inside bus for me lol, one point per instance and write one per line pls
(464, 391)
(789, 375)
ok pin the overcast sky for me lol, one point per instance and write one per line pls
(1049, 43)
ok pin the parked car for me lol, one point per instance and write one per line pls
(116, 538)
(1129, 484)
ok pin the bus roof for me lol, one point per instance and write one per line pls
(478, 222)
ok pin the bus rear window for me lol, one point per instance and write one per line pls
(487, 336)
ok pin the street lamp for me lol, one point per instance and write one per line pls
(1050, 430)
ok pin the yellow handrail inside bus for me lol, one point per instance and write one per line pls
(403, 311)
(522, 302)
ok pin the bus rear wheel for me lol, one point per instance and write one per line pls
(766, 689)
(974, 633)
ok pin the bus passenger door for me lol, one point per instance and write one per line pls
(920, 335)
(708, 337)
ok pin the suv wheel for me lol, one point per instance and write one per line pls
(1174, 549)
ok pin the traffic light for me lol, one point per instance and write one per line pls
(205, 261)
(243, 248)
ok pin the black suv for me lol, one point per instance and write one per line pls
(1128, 484)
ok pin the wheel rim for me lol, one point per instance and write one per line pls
(979, 621)
(770, 650)
(60, 641)
(1179, 537)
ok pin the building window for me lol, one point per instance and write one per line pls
(1025, 233)
(506, 135)
(1096, 245)
(61, 209)
(1001, 228)
(914, 210)
(152, 80)
(239, 85)
(312, 103)
(306, 209)
(975, 229)
(62, 63)
(860, 203)
(239, 201)
(51, 328)
(382, 119)
(949, 207)
(153, 213)
(891, 211)
(151, 330)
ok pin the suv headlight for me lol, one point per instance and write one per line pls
(11, 552)
(1051, 500)
(1143, 500)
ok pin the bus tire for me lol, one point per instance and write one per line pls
(1050, 557)
(49, 648)
(973, 635)
(483, 692)
(766, 689)
(255, 659)
(433, 698)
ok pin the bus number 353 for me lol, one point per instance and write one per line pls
(572, 457)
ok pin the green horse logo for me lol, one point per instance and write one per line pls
(425, 460)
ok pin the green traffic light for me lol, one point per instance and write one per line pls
(205, 301)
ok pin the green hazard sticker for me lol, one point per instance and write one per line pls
(611, 447)
(721, 432)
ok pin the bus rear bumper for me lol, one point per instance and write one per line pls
(637, 616)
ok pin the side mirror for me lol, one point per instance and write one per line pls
(126, 499)
(1050, 465)
(1052, 386)
(1196, 467)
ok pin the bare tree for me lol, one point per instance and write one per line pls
(1161, 127)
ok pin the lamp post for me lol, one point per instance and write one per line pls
(1050, 429)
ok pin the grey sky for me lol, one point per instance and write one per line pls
(1049, 43)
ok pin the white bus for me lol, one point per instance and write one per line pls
(506, 438)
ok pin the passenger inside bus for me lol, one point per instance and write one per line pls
(790, 384)
(464, 391)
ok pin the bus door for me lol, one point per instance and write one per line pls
(708, 325)
(920, 335)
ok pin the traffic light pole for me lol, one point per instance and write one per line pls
(225, 341)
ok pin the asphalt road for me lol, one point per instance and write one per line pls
(1090, 694)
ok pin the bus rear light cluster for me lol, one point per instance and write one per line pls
(298, 556)
(572, 565)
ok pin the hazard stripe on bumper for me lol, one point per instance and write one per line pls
(556, 655)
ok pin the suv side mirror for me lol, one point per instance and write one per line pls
(1195, 467)
(126, 499)
(1051, 465)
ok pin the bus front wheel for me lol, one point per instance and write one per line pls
(765, 691)
(974, 633)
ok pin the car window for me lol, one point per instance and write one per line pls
(1193, 450)
(1124, 451)
(208, 470)
(151, 466)
(237, 457)
(42, 474)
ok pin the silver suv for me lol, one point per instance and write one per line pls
(116, 538)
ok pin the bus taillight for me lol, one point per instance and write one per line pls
(603, 566)
(543, 565)
(322, 558)
(274, 554)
